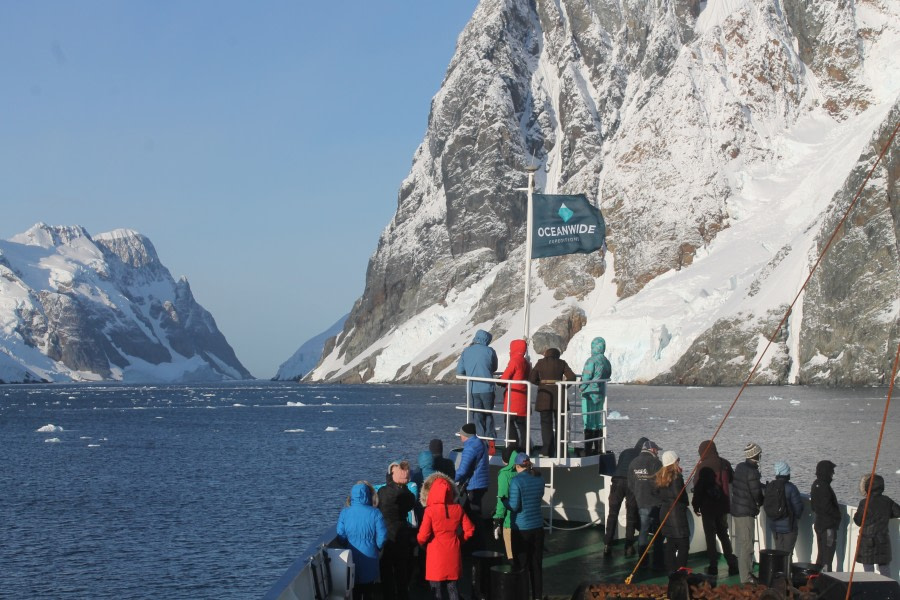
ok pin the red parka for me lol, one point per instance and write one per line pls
(516, 397)
(440, 529)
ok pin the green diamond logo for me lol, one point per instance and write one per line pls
(565, 212)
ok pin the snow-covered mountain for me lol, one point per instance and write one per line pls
(723, 141)
(76, 307)
(307, 356)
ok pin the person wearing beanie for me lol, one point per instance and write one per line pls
(641, 476)
(828, 513)
(441, 464)
(526, 491)
(710, 502)
(784, 530)
(668, 483)
(501, 515)
(619, 492)
(473, 474)
(746, 498)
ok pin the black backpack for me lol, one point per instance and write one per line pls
(775, 501)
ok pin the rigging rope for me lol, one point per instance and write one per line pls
(766, 349)
(862, 524)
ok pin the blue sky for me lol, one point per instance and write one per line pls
(259, 145)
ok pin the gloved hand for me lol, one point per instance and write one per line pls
(498, 528)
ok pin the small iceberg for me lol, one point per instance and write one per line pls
(93, 445)
(775, 398)
(295, 431)
(383, 446)
(52, 441)
(392, 427)
(49, 428)
(331, 429)
(795, 402)
(238, 405)
(617, 416)
(295, 404)
(327, 411)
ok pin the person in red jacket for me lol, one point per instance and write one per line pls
(516, 398)
(439, 534)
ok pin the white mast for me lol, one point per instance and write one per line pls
(528, 225)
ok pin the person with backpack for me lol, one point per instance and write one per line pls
(746, 498)
(711, 503)
(828, 514)
(619, 492)
(784, 507)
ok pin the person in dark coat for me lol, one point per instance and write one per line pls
(361, 526)
(710, 502)
(641, 482)
(546, 373)
(785, 530)
(440, 463)
(480, 360)
(395, 501)
(619, 492)
(746, 498)
(444, 525)
(828, 514)
(875, 543)
(676, 529)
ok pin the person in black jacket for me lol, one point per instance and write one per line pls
(828, 514)
(669, 483)
(546, 373)
(442, 464)
(710, 502)
(641, 476)
(395, 501)
(746, 498)
(875, 539)
(619, 492)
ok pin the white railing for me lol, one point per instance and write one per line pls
(570, 419)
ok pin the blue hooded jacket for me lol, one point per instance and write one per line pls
(362, 528)
(474, 464)
(526, 490)
(596, 367)
(479, 360)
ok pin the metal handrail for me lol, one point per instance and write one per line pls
(530, 390)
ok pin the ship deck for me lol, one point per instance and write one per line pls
(573, 558)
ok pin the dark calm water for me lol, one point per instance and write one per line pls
(212, 491)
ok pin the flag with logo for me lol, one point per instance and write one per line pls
(565, 225)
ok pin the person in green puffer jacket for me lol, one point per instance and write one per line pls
(501, 513)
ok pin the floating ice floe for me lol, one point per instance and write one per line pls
(775, 398)
(239, 405)
(795, 402)
(85, 437)
(93, 445)
(377, 431)
(331, 429)
(327, 404)
(392, 427)
(52, 441)
(295, 404)
(295, 431)
(617, 416)
(49, 428)
(383, 446)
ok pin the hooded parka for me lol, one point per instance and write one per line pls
(361, 526)
(593, 394)
(516, 398)
(440, 530)
(479, 360)
(875, 544)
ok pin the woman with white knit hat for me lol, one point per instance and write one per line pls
(676, 529)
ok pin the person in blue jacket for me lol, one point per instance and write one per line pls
(785, 530)
(361, 526)
(526, 491)
(480, 360)
(473, 474)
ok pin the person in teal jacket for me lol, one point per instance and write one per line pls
(526, 492)
(501, 513)
(361, 526)
(593, 395)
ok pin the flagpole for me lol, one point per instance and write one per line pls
(531, 170)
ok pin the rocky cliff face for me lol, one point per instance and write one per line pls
(76, 307)
(722, 141)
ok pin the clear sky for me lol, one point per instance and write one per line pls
(259, 145)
